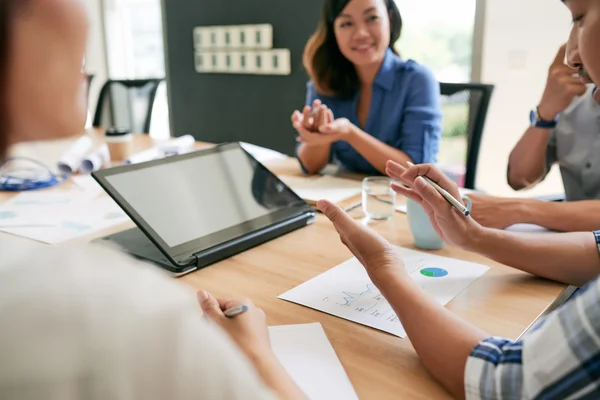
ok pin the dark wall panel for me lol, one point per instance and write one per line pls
(224, 107)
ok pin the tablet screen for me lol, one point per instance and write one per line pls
(199, 195)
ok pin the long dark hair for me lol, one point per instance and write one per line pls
(332, 73)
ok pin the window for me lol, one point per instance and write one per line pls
(439, 34)
(134, 45)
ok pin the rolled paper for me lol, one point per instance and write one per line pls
(95, 160)
(146, 155)
(179, 145)
(70, 162)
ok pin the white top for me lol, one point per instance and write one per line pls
(90, 323)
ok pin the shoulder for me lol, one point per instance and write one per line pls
(406, 77)
(416, 72)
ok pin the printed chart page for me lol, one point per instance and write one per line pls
(347, 292)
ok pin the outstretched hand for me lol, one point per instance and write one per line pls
(377, 255)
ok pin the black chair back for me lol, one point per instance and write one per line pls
(126, 104)
(465, 107)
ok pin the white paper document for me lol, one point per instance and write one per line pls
(347, 292)
(262, 154)
(56, 218)
(306, 354)
(88, 185)
(322, 187)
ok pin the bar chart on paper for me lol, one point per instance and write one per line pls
(347, 292)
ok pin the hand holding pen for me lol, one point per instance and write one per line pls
(241, 319)
(450, 220)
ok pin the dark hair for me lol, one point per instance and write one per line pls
(332, 73)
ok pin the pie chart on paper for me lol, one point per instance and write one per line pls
(434, 272)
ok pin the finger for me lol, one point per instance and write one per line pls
(331, 127)
(560, 56)
(322, 115)
(210, 306)
(226, 303)
(432, 173)
(431, 196)
(296, 116)
(577, 89)
(394, 170)
(413, 195)
(407, 192)
(561, 71)
(316, 103)
(301, 129)
(307, 119)
(330, 118)
(572, 80)
(340, 219)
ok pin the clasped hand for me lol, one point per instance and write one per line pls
(316, 126)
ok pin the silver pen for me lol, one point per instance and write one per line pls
(449, 198)
(235, 311)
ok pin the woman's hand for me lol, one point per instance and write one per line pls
(341, 127)
(309, 123)
(452, 226)
(377, 255)
(248, 330)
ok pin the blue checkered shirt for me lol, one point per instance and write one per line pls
(558, 359)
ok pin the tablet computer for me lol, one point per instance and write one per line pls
(194, 209)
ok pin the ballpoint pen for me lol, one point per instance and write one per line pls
(235, 311)
(457, 204)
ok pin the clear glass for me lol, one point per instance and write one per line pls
(378, 197)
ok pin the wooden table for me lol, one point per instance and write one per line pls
(504, 302)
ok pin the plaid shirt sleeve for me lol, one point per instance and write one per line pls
(558, 359)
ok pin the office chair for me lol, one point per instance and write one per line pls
(465, 107)
(127, 104)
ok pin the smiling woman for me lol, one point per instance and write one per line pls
(331, 62)
(386, 107)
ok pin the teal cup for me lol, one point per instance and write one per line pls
(420, 226)
(425, 236)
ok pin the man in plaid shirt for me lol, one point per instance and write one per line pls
(560, 357)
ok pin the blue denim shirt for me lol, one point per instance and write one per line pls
(405, 113)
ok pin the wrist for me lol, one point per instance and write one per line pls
(261, 358)
(480, 240)
(391, 281)
(533, 211)
(352, 135)
(547, 113)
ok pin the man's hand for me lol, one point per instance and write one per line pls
(562, 87)
(494, 212)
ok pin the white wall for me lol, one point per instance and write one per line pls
(96, 55)
(520, 40)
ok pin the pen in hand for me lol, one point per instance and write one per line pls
(449, 198)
